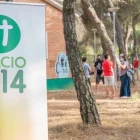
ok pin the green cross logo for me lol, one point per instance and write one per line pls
(9, 34)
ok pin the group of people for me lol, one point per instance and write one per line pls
(104, 70)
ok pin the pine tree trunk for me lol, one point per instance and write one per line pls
(89, 9)
(119, 36)
(127, 36)
(134, 22)
(105, 50)
(119, 32)
(88, 107)
(135, 52)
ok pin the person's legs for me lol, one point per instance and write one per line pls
(124, 85)
(97, 85)
(113, 91)
(103, 80)
(138, 76)
(107, 91)
(97, 82)
(112, 85)
(106, 86)
(133, 80)
(121, 88)
(135, 74)
(128, 87)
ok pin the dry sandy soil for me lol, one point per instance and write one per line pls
(120, 117)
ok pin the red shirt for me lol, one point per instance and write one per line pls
(136, 64)
(107, 66)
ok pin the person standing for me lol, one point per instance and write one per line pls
(98, 69)
(108, 73)
(136, 68)
(87, 69)
(125, 91)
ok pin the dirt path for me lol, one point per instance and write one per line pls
(120, 118)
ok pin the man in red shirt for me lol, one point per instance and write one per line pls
(108, 73)
(136, 67)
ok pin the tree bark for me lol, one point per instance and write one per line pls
(134, 22)
(119, 32)
(127, 36)
(119, 35)
(88, 107)
(100, 27)
(135, 51)
(104, 47)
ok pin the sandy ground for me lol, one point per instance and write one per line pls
(120, 117)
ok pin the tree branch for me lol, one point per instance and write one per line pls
(99, 25)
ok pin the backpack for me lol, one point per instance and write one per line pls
(130, 73)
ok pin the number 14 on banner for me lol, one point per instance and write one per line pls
(16, 83)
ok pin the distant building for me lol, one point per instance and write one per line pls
(58, 72)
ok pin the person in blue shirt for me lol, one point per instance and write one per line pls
(87, 69)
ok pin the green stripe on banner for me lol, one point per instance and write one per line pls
(60, 84)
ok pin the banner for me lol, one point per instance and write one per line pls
(23, 101)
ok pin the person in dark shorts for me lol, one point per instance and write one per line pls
(98, 69)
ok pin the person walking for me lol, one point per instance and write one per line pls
(125, 91)
(87, 69)
(98, 71)
(136, 68)
(109, 79)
